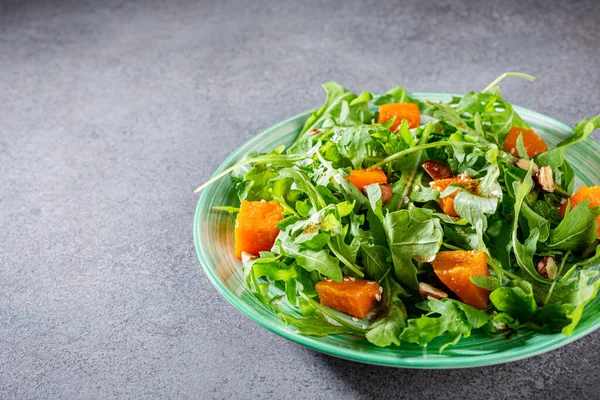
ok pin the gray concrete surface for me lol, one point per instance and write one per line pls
(111, 113)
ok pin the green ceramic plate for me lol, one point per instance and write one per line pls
(213, 235)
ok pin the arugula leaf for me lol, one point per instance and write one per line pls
(374, 196)
(410, 172)
(587, 289)
(387, 329)
(397, 94)
(353, 143)
(516, 299)
(500, 241)
(342, 108)
(456, 318)
(310, 260)
(577, 230)
(376, 256)
(535, 221)
(524, 252)
(556, 157)
(486, 282)
(410, 237)
(257, 183)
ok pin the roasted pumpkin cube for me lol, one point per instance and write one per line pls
(401, 111)
(455, 269)
(256, 226)
(534, 144)
(364, 177)
(447, 203)
(352, 296)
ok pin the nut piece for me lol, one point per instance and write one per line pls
(437, 170)
(386, 192)
(544, 179)
(524, 164)
(247, 257)
(426, 290)
(547, 267)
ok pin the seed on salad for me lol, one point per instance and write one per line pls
(354, 319)
(378, 297)
(352, 279)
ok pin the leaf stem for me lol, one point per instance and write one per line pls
(345, 261)
(451, 246)
(506, 75)
(414, 149)
(260, 159)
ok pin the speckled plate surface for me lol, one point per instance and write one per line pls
(213, 236)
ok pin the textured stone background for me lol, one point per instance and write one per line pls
(113, 112)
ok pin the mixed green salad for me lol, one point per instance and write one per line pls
(542, 260)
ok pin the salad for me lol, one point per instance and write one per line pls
(403, 221)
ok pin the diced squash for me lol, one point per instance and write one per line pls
(364, 177)
(354, 297)
(584, 193)
(534, 144)
(455, 269)
(407, 111)
(256, 226)
(447, 203)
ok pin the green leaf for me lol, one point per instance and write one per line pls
(391, 315)
(516, 299)
(486, 282)
(396, 94)
(500, 241)
(587, 289)
(374, 256)
(535, 221)
(386, 331)
(257, 183)
(353, 143)
(556, 157)
(374, 196)
(310, 260)
(524, 252)
(411, 238)
(455, 317)
(577, 230)
(342, 108)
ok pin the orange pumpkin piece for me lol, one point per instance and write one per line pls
(364, 177)
(455, 269)
(352, 296)
(533, 143)
(584, 193)
(401, 111)
(447, 203)
(256, 226)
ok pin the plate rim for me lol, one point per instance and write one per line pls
(555, 341)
